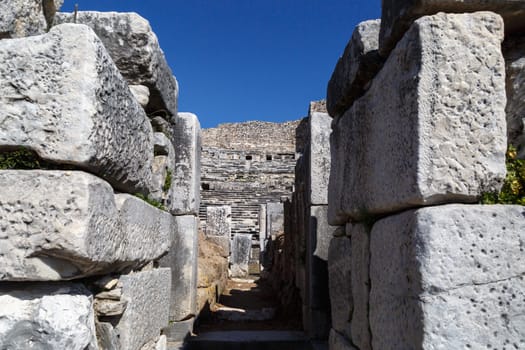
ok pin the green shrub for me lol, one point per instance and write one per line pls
(21, 158)
(167, 181)
(151, 201)
(513, 190)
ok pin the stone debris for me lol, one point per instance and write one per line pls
(398, 15)
(357, 66)
(411, 133)
(135, 49)
(65, 86)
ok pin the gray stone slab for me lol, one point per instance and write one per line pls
(135, 49)
(186, 179)
(274, 218)
(444, 131)
(147, 230)
(218, 221)
(66, 225)
(240, 255)
(21, 18)
(223, 243)
(263, 234)
(148, 294)
(398, 15)
(107, 337)
(320, 129)
(355, 68)
(360, 263)
(141, 93)
(63, 97)
(337, 341)
(514, 53)
(321, 232)
(163, 169)
(182, 259)
(340, 284)
(179, 331)
(448, 276)
(54, 316)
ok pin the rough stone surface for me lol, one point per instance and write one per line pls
(514, 53)
(179, 331)
(182, 259)
(218, 221)
(223, 244)
(21, 18)
(163, 167)
(274, 219)
(35, 316)
(147, 294)
(340, 284)
(319, 157)
(66, 224)
(428, 293)
(148, 229)
(107, 336)
(135, 49)
(321, 232)
(64, 85)
(337, 341)
(263, 233)
(240, 256)
(360, 263)
(397, 16)
(444, 131)
(354, 70)
(141, 93)
(186, 178)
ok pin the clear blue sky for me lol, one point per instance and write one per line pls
(239, 60)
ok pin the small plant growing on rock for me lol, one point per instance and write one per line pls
(167, 181)
(513, 190)
(21, 158)
(151, 201)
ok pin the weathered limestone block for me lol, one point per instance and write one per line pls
(35, 316)
(240, 255)
(163, 167)
(514, 53)
(359, 235)
(444, 132)
(263, 234)
(61, 96)
(182, 260)
(354, 70)
(321, 232)
(336, 341)
(218, 221)
(66, 225)
(185, 190)
(21, 18)
(319, 157)
(274, 219)
(340, 284)
(135, 49)
(448, 277)
(223, 243)
(147, 230)
(148, 295)
(398, 15)
(107, 336)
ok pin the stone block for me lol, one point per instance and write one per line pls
(444, 131)
(21, 18)
(218, 221)
(141, 93)
(182, 259)
(360, 262)
(319, 158)
(179, 331)
(274, 219)
(53, 316)
(340, 284)
(355, 69)
(514, 53)
(148, 295)
(223, 243)
(398, 16)
(321, 232)
(163, 169)
(63, 98)
(135, 49)
(186, 178)
(240, 255)
(66, 225)
(147, 230)
(448, 277)
(263, 234)
(336, 341)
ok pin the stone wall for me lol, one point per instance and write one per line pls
(99, 190)
(245, 165)
(416, 263)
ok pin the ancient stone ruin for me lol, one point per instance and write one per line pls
(100, 183)
(371, 217)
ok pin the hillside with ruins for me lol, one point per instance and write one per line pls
(390, 217)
